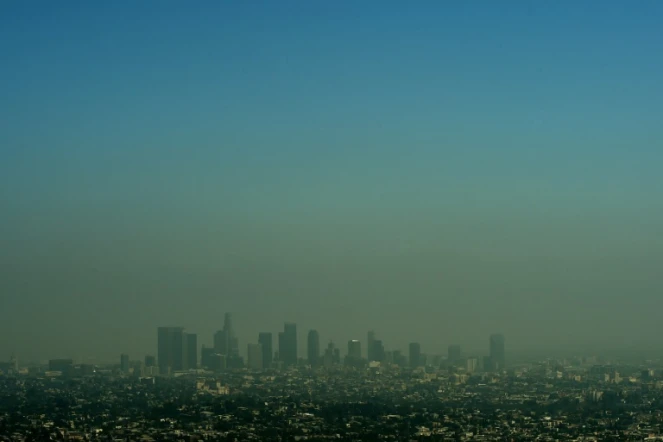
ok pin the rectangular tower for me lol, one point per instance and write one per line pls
(313, 348)
(497, 356)
(171, 349)
(192, 350)
(265, 340)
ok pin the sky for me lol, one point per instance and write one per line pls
(435, 171)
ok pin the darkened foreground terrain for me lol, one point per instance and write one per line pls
(546, 401)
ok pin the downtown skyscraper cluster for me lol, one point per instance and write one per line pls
(177, 351)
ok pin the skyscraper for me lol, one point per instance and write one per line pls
(354, 349)
(330, 358)
(453, 353)
(221, 342)
(206, 356)
(497, 357)
(171, 349)
(232, 344)
(378, 352)
(369, 350)
(415, 354)
(150, 361)
(472, 365)
(192, 350)
(254, 352)
(124, 363)
(265, 340)
(313, 347)
(288, 345)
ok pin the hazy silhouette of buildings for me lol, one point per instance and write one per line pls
(265, 340)
(313, 348)
(220, 342)
(62, 365)
(354, 349)
(472, 365)
(378, 352)
(288, 345)
(453, 354)
(369, 349)
(354, 353)
(192, 350)
(150, 361)
(415, 354)
(232, 343)
(124, 363)
(227, 344)
(497, 354)
(332, 356)
(171, 349)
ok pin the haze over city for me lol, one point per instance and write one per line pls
(436, 173)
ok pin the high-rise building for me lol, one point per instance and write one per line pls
(171, 349)
(415, 354)
(330, 357)
(313, 347)
(150, 361)
(221, 342)
(192, 350)
(288, 345)
(255, 356)
(472, 365)
(354, 350)
(124, 363)
(497, 356)
(453, 354)
(399, 358)
(232, 342)
(217, 362)
(206, 356)
(265, 340)
(377, 352)
(369, 350)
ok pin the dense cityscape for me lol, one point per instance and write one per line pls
(181, 394)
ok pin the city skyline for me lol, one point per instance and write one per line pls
(440, 171)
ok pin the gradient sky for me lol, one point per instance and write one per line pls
(436, 171)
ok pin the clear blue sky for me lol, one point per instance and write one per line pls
(388, 162)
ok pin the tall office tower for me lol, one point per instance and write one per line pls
(288, 345)
(150, 361)
(415, 354)
(497, 358)
(265, 339)
(313, 347)
(221, 342)
(377, 351)
(218, 362)
(171, 349)
(369, 349)
(206, 356)
(354, 352)
(453, 353)
(192, 350)
(472, 365)
(231, 340)
(124, 363)
(399, 358)
(329, 359)
(337, 355)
